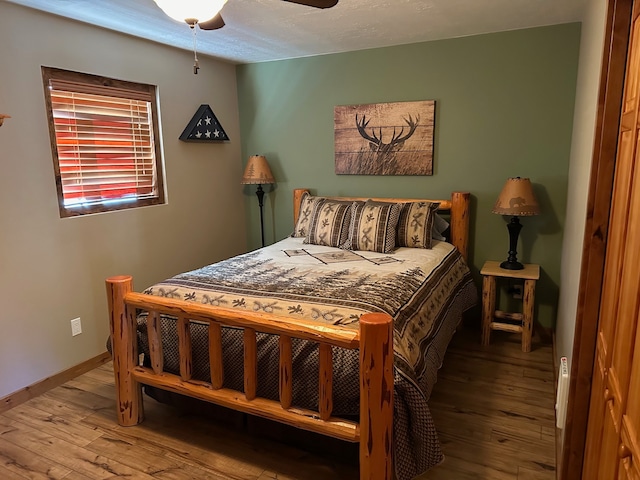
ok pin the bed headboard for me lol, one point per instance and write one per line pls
(457, 206)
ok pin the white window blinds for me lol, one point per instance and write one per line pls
(105, 146)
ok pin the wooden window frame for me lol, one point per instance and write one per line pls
(98, 85)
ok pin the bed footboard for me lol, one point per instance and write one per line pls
(374, 340)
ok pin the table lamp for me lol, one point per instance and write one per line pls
(257, 172)
(516, 199)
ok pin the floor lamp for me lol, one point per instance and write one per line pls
(257, 172)
(516, 200)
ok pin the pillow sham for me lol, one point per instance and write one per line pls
(307, 202)
(373, 227)
(440, 227)
(329, 223)
(415, 224)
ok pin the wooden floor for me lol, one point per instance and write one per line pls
(494, 410)
(492, 406)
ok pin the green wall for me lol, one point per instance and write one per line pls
(504, 107)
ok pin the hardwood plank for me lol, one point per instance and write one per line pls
(55, 450)
(57, 426)
(152, 461)
(480, 423)
(104, 371)
(21, 463)
(208, 443)
(53, 406)
(105, 420)
(492, 406)
(542, 451)
(514, 391)
(7, 474)
(493, 418)
(493, 457)
(207, 455)
(527, 474)
(499, 399)
(505, 363)
(461, 469)
(81, 398)
(549, 431)
(94, 385)
(203, 446)
(77, 476)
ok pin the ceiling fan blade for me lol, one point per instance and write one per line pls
(315, 3)
(213, 24)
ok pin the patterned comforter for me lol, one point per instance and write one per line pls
(425, 291)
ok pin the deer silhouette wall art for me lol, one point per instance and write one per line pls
(385, 138)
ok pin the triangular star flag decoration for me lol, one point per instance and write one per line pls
(204, 127)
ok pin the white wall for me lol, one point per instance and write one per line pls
(591, 50)
(52, 269)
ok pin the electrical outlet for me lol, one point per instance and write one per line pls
(76, 327)
(517, 291)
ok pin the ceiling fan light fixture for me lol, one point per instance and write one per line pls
(190, 10)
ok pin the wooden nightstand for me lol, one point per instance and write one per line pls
(516, 322)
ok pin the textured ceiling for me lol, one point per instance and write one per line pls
(263, 30)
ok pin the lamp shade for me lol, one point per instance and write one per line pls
(198, 10)
(257, 171)
(517, 199)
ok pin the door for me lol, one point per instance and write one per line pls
(621, 289)
(629, 450)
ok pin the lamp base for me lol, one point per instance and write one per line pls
(512, 263)
(260, 194)
(509, 265)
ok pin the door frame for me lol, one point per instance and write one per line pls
(612, 74)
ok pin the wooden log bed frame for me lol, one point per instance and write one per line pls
(374, 340)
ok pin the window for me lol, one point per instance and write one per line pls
(103, 133)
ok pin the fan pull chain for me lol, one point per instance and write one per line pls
(196, 66)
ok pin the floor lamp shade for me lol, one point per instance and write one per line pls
(257, 172)
(517, 200)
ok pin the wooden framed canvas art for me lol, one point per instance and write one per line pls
(384, 138)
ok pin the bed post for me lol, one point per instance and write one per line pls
(460, 222)
(376, 396)
(124, 347)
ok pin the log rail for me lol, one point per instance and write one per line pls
(374, 339)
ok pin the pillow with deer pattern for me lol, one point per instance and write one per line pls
(415, 224)
(373, 227)
(329, 223)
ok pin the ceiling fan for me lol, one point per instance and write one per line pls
(206, 14)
